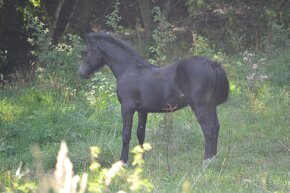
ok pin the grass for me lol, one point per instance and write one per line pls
(254, 143)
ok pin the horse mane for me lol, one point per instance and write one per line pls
(121, 43)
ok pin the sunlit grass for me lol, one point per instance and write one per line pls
(9, 111)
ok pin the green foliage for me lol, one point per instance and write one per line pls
(20, 186)
(35, 3)
(101, 95)
(250, 70)
(114, 18)
(135, 180)
(163, 36)
(278, 39)
(3, 59)
(236, 42)
(58, 64)
(201, 47)
(255, 71)
(126, 179)
(61, 61)
(193, 5)
(276, 56)
(16, 183)
(101, 89)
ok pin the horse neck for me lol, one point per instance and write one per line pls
(118, 59)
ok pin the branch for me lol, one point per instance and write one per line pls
(71, 15)
(46, 15)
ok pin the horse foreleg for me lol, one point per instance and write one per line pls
(207, 118)
(127, 116)
(142, 118)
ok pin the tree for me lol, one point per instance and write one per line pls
(13, 45)
(58, 15)
(146, 15)
(145, 7)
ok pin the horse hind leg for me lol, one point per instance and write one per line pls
(208, 120)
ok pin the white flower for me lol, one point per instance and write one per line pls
(255, 66)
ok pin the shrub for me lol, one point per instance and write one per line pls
(277, 48)
(114, 18)
(57, 64)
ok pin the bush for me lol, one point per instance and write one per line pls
(57, 64)
(114, 18)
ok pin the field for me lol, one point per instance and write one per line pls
(254, 143)
(62, 134)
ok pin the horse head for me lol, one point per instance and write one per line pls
(92, 57)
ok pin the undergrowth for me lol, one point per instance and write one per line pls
(95, 180)
(253, 148)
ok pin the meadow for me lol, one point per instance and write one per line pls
(254, 143)
(254, 139)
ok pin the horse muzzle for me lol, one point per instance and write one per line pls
(83, 73)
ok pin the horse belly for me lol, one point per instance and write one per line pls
(161, 103)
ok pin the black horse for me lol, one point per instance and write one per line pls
(196, 81)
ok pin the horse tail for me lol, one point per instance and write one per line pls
(216, 85)
(221, 88)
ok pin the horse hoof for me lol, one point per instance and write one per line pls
(208, 162)
(126, 165)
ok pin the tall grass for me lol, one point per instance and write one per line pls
(253, 145)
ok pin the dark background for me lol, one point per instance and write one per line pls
(216, 20)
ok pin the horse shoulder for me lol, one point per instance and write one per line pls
(128, 88)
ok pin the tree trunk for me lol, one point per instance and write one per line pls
(52, 21)
(64, 19)
(146, 14)
(84, 15)
(167, 8)
(59, 19)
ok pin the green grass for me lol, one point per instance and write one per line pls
(253, 147)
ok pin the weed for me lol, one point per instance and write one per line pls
(255, 76)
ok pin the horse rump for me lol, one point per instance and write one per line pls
(203, 80)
